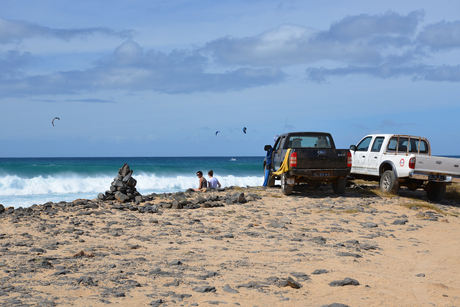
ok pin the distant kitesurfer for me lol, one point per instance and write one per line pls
(52, 122)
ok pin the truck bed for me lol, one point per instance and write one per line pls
(437, 165)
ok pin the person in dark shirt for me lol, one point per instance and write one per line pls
(202, 183)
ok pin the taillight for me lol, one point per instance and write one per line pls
(412, 163)
(293, 160)
(349, 159)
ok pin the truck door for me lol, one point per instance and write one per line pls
(375, 155)
(278, 155)
(360, 156)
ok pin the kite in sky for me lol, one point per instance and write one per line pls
(244, 130)
(52, 122)
(217, 132)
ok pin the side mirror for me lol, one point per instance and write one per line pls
(267, 147)
(353, 147)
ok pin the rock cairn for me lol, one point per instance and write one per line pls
(123, 187)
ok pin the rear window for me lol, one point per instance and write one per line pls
(415, 143)
(407, 145)
(309, 142)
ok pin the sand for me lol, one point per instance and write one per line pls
(272, 250)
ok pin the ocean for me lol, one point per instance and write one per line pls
(28, 181)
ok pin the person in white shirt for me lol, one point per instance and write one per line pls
(213, 182)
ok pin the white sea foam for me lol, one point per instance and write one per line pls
(24, 192)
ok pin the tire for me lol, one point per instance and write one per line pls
(339, 185)
(388, 183)
(285, 188)
(271, 180)
(436, 191)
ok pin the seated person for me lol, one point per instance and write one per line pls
(213, 182)
(202, 183)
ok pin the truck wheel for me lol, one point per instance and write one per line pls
(388, 182)
(339, 185)
(285, 188)
(436, 191)
(271, 180)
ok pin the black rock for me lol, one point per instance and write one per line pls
(300, 276)
(36, 250)
(62, 272)
(156, 303)
(346, 282)
(204, 289)
(87, 281)
(400, 222)
(320, 271)
(228, 289)
(124, 170)
(369, 225)
(121, 197)
(347, 254)
(293, 284)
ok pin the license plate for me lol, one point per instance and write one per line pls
(321, 174)
(437, 177)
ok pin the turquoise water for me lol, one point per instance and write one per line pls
(28, 181)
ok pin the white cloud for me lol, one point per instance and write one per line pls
(441, 35)
(131, 69)
(383, 46)
(14, 31)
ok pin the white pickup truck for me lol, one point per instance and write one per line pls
(403, 160)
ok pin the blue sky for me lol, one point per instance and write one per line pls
(159, 78)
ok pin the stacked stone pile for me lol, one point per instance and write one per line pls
(123, 187)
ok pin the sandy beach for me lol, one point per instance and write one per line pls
(236, 247)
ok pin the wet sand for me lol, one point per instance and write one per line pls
(237, 247)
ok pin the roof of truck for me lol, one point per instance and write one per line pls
(392, 134)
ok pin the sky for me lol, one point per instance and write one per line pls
(159, 78)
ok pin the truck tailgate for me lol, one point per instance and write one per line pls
(437, 165)
(321, 158)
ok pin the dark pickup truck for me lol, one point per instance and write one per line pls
(312, 159)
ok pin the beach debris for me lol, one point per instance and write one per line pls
(83, 254)
(52, 122)
(293, 284)
(244, 130)
(123, 187)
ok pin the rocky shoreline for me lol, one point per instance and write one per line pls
(235, 246)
